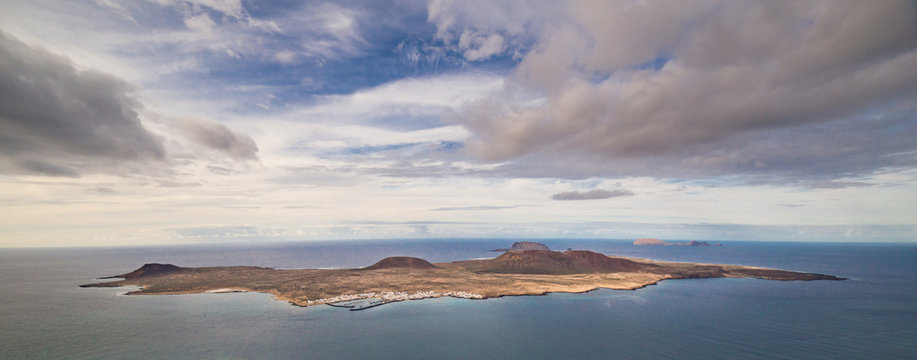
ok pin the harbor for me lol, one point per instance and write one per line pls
(365, 301)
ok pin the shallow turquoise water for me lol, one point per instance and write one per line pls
(45, 315)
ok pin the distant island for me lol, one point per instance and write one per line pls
(657, 242)
(524, 272)
(524, 246)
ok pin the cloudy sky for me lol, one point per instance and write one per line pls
(178, 121)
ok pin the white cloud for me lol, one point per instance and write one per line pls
(335, 31)
(285, 56)
(479, 47)
(200, 23)
(230, 8)
(406, 98)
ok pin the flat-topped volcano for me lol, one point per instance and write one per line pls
(403, 262)
(524, 246)
(529, 272)
(559, 263)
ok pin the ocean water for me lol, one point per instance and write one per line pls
(873, 315)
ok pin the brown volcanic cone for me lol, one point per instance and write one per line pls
(147, 270)
(558, 263)
(401, 262)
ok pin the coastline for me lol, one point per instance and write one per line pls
(398, 296)
(391, 297)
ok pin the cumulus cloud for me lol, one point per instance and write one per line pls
(625, 83)
(594, 194)
(480, 29)
(60, 120)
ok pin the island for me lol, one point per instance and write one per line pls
(657, 242)
(526, 272)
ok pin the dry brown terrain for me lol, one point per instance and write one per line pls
(533, 272)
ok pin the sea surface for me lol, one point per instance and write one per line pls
(873, 315)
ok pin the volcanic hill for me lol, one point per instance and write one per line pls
(557, 263)
(401, 262)
(148, 270)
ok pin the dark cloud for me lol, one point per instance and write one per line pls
(814, 155)
(58, 120)
(45, 168)
(708, 88)
(791, 205)
(216, 136)
(221, 170)
(102, 190)
(594, 194)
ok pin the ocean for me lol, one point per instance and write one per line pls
(872, 315)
